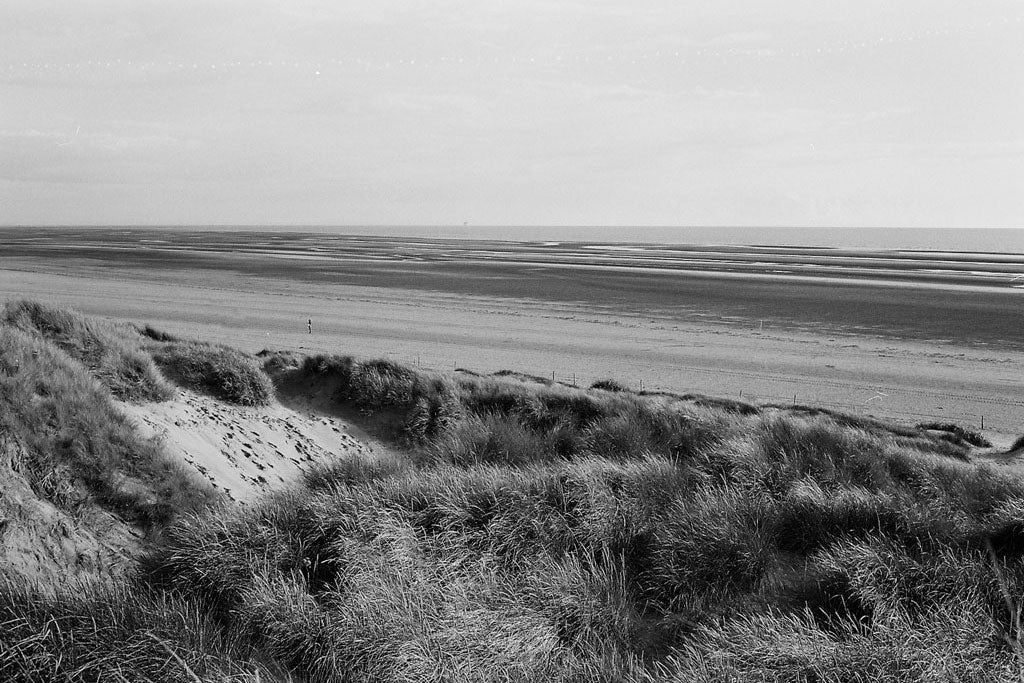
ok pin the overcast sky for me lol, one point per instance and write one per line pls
(554, 112)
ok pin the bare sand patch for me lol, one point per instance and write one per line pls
(51, 546)
(245, 452)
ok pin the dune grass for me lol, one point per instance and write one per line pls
(80, 447)
(511, 417)
(965, 435)
(223, 372)
(119, 635)
(609, 385)
(533, 531)
(842, 547)
(424, 405)
(150, 332)
(112, 354)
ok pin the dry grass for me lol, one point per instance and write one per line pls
(538, 532)
(113, 354)
(956, 431)
(424, 405)
(222, 372)
(819, 547)
(80, 447)
(119, 635)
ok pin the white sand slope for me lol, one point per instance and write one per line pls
(247, 451)
(44, 543)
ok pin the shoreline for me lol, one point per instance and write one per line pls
(965, 310)
(996, 240)
(908, 381)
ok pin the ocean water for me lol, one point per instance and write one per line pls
(987, 240)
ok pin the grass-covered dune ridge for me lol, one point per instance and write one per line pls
(78, 447)
(518, 418)
(422, 405)
(523, 530)
(220, 371)
(111, 353)
(842, 547)
(121, 635)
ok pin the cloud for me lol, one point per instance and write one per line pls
(540, 111)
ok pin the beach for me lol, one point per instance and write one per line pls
(912, 336)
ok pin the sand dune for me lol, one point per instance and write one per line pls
(247, 451)
(50, 545)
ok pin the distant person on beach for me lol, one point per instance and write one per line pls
(309, 325)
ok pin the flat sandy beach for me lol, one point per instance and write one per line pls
(909, 336)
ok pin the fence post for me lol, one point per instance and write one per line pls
(982, 421)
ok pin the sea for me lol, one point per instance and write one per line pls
(978, 240)
(983, 240)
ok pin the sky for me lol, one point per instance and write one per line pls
(555, 112)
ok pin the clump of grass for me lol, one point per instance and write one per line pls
(539, 407)
(110, 353)
(223, 372)
(635, 428)
(79, 445)
(965, 435)
(276, 362)
(911, 436)
(426, 405)
(117, 634)
(713, 402)
(522, 377)
(541, 423)
(908, 437)
(491, 438)
(954, 642)
(151, 332)
(608, 385)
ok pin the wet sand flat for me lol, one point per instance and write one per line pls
(909, 347)
(967, 298)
